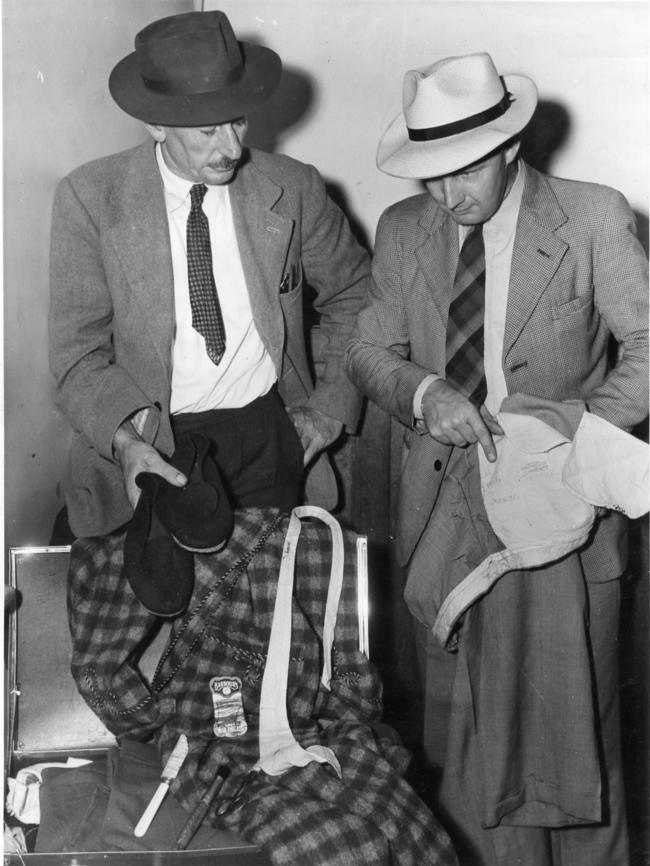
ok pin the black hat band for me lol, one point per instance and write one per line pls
(185, 87)
(433, 133)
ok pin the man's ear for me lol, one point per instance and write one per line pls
(158, 133)
(511, 151)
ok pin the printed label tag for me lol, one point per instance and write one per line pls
(229, 720)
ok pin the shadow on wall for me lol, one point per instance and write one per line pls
(546, 133)
(338, 196)
(287, 106)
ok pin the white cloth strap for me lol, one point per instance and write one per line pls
(279, 750)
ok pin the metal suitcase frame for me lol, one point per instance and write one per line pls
(47, 719)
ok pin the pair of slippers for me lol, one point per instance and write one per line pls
(170, 524)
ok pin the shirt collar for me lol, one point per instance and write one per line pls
(177, 189)
(504, 220)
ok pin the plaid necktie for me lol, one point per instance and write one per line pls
(206, 312)
(464, 367)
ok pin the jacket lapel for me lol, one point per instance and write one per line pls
(536, 254)
(437, 255)
(140, 212)
(263, 237)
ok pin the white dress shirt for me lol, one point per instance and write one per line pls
(246, 370)
(498, 238)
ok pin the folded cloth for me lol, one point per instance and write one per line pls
(608, 467)
(22, 801)
(72, 806)
(14, 840)
(540, 494)
(530, 508)
(96, 808)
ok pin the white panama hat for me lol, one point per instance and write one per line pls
(454, 112)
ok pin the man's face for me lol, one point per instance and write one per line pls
(203, 154)
(474, 194)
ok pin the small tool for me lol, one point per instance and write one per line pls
(169, 773)
(237, 800)
(194, 821)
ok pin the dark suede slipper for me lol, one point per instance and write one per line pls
(160, 573)
(199, 515)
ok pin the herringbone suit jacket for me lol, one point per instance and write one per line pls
(112, 310)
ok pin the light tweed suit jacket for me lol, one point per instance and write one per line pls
(579, 278)
(112, 311)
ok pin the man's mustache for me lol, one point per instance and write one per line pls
(225, 164)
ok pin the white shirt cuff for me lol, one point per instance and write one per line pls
(419, 394)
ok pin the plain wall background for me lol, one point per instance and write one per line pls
(344, 63)
(588, 58)
(58, 113)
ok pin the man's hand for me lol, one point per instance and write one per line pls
(316, 431)
(135, 456)
(452, 420)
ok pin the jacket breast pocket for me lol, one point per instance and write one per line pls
(573, 311)
(291, 283)
(575, 326)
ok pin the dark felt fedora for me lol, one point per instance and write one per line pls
(190, 70)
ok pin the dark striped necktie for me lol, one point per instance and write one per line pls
(464, 368)
(204, 300)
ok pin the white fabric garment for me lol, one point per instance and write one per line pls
(279, 749)
(540, 494)
(608, 467)
(14, 840)
(246, 371)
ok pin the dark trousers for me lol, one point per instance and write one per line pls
(257, 449)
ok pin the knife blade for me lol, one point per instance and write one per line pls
(169, 773)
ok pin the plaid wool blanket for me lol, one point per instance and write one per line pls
(305, 815)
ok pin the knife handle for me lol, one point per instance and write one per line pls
(149, 813)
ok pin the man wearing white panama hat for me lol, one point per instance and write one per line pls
(499, 289)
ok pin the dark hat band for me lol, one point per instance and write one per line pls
(183, 87)
(432, 133)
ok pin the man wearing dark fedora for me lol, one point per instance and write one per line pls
(499, 289)
(178, 274)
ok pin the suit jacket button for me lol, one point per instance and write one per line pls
(437, 465)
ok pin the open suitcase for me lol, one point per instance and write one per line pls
(47, 720)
